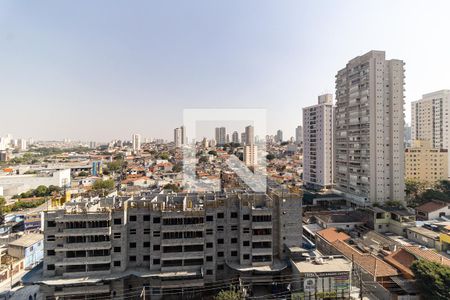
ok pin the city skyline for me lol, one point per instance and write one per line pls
(127, 63)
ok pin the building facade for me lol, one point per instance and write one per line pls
(430, 119)
(221, 135)
(167, 244)
(369, 129)
(425, 163)
(136, 141)
(299, 135)
(318, 144)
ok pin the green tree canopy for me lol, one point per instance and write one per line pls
(228, 295)
(433, 279)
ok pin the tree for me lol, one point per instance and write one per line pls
(2, 209)
(228, 295)
(173, 187)
(164, 156)
(203, 159)
(212, 152)
(270, 156)
(103, 185)
(115, 166)
(433, 279)
(83, 174)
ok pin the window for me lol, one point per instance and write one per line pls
(146, 244)
(50, 252)
(246, 243)
(209, 231)
(234, 227)
(234, 240)
(246, 230)
(156, 233)
(116, 235)
(117, 263)
(146, 230)
(132, 245)
(156, 220)
(220, 254)
(117, 221)
(220, 241)
(233, 215)
(133, 258)
(50, 238)
(246, 217)
(133, 218)
(146, 257)
(156, 261)
(132, 231)
(146, 218)
(156, 247)
(50, 267)
(209, 258)
(117, 249)
(233, 253)
(209, 218)
(51, 224)
(220, 267)
(209, 272)
(220, 215)
(220, 228)
(246, 256)
(209, 245)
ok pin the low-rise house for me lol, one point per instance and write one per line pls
(322, 277)
(432, 210)
(29, 247)
(424, 237)
(325, 239)
(403, 258)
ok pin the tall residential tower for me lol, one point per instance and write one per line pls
(369, 125)
(430, 119)
(318, 143)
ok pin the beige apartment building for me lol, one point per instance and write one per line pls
(369, 125)
(430, 119)
(426, 163)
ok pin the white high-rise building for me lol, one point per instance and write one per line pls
(235, 137)
(299, 135)
(279, 137)
(369, 125)
(221, 135)
(177, 137)
(183, 135)
(136, 140)
(22, 144)
(430, 119)
(243, 138)
(318, 143)
(249, 135)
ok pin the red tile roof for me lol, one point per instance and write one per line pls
(431, 206)
(371, 264)
(331, 235)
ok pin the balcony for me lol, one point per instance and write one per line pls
(262, 238)
(83, 246)
(83, 290)
(260, 225)
(187, 241)
(84, 231)
(84, 260)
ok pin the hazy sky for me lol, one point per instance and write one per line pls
(97, 70)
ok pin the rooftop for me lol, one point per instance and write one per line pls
(331, 235)
(27, 240)
(324, 264)
(431, 206)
